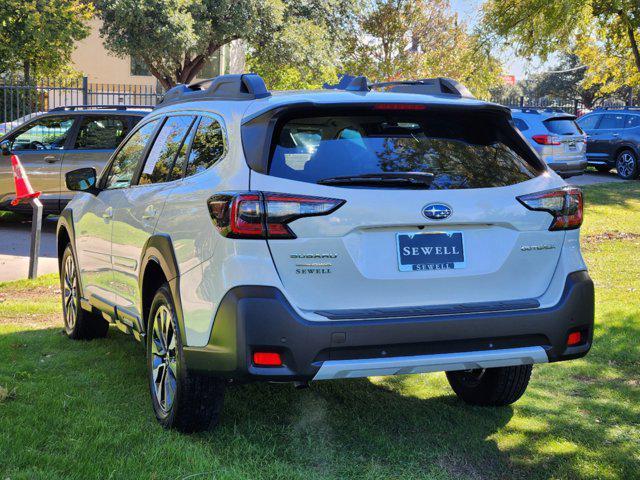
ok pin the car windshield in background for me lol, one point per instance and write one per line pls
(563, 126)
(433, 151)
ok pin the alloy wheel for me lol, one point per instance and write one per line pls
(163, 358)
(626, 165)
(70, 293)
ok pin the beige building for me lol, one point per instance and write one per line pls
(103, 68)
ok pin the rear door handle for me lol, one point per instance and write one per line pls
(149, 212)
(51, 159)
(108, 213)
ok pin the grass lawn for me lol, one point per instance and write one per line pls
(81, 410)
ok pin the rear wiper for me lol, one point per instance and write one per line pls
(384, 179)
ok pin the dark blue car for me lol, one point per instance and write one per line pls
(613, 140)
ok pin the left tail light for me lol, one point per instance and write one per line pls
(564, 204)
(546, 139)
(264, 214)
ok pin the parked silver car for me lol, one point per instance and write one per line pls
(556, 137)
(61, 140)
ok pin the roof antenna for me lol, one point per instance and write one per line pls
(358, 84)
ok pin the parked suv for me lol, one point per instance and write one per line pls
(61, 140)
(556, 137)
(372, 229)
(613, 140)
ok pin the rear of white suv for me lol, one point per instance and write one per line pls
(356, 233)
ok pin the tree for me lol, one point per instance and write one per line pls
(38, 36)
(603, 33)
(174, 38)
(400, 39)
(304, 50)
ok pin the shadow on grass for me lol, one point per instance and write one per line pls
(92, 398)
(612, 194)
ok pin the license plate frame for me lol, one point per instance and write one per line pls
(449, 259)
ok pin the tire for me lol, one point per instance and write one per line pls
(79, 324)
(181, 400)
(490, 387)
(627, 165)
(602, 168)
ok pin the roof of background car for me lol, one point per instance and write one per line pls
(541, 114)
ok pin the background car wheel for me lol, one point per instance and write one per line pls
(79, 324)
(490, 386)
(603, 168)
(181, 399)
(627, 165)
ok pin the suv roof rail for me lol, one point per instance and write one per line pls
(424, 86)
(625, 107)
(247, 86)
(527, 109)
(71, 108)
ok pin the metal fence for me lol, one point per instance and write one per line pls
(19, 100)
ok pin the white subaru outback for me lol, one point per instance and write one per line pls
(366, 229)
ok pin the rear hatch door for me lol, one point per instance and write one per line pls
(460, 237)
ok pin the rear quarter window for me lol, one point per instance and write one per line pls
(461, 150)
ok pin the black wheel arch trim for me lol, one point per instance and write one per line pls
(66, 222)
(159, 249)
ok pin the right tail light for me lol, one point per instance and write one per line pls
(564, 204)
(264, 214)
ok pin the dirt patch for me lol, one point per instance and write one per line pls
(35, 293)
(608, 236)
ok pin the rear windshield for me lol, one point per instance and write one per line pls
(461, 151)
(563, 126)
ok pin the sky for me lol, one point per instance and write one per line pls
(469, 10)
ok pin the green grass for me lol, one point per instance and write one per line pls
(80, 410)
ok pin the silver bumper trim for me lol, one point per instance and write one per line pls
(370, 367)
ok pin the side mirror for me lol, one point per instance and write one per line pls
(82, 180)
(5, 147)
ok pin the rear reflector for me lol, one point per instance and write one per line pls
(399, 106)
(267, 359)
(264, 214)
(575, 338)
(565, 204)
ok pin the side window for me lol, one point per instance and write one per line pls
(166, 147)
(611, 121)
(101, 132)
(207, 146)
(520, 124)
(124, 165)
(589, 122)
(49, 133)
(633, 121)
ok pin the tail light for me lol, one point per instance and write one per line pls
(546, 139)
(565, 204)
(264, 214)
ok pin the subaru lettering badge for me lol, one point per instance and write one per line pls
(436, 211)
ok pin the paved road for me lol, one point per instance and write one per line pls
(15, 238)
(592, 178)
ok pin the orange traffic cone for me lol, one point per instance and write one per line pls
(24, 191)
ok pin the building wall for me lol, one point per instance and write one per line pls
(93, 60)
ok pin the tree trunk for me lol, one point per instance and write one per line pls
(634, 46)
(26, 70)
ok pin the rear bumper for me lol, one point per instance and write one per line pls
(568, 169)
(260, 318)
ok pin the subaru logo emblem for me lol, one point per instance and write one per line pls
(436, 211)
